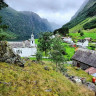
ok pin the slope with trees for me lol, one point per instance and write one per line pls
(24, 23)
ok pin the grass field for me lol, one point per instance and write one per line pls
(80, 73)
(87, 33)
(36, 41)
(33, 80)
(69, 50)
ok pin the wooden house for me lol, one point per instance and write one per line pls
(84, 58)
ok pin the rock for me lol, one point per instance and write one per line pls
(67, 75)
(46, 68)
(76, 80)
(7, 55)
(48, 90)
(91, 86)
(8, 61)
(83, 80)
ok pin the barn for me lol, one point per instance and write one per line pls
(84, 58)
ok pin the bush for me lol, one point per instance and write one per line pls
(38, 56)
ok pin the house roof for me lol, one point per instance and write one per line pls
(91, 70)
(85, 56)
(82, 40)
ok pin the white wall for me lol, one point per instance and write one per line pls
(25, 52)
(85, 44)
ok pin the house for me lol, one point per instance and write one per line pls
(25, 48)
(84, 58)
(82, 43)
(91, 71)
(88, 38)
(67, 40)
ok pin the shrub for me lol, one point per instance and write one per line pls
(38, 56)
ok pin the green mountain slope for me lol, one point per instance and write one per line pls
(84, 20)
(88, 11)
(24, 23)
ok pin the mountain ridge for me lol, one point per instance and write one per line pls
(83, 14)
(23, 23)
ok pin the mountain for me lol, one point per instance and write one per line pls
(54, 26)
(23, 23)
(81, 8)
(87, 10)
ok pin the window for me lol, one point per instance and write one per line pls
(19, 51)
(32, 42)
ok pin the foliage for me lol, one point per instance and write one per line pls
(36, 41)
(24, 23)
(79, 31)
(57, 51)
(91, 46)
(87, 33)
(38, 56)
(87, 11)
(63, 31)
(45, 42)
(81, 34)
(33, 80)
(2, 27)
(2, 4)
(90, 25)
(69, 51)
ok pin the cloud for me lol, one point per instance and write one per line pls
(58, 11)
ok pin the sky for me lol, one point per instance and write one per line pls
(57, 11)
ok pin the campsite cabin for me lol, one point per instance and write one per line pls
(84, 58)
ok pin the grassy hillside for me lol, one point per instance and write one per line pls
(88, 11)
(85, 21)
(87, 33)
(33, 80)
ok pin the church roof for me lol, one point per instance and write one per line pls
(20, 44)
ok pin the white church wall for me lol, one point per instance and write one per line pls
(25, 52)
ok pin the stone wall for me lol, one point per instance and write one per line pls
(7, 55)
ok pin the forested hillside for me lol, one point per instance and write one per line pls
(24, 23)
(87, 12)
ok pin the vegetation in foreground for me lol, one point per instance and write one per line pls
(34, 80)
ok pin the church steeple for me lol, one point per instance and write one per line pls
(32, 41)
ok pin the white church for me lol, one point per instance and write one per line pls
(25, 48)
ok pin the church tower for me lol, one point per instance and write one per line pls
(32, 41)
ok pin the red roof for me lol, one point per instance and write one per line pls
(91, 70)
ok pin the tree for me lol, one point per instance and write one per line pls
(57, 53)
(81, 34)
(79, 31)
(38, 56)
(2, 4)
(2, 27)
(45, 42)
(63, 31)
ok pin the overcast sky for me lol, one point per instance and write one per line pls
(58, 11)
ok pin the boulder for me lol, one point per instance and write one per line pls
(7, 55)
(47, 68)
(91, 86)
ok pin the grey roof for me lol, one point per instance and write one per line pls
(85, 56)
(20, 44)
(82, 40)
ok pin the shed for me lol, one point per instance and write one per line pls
(84, 58)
